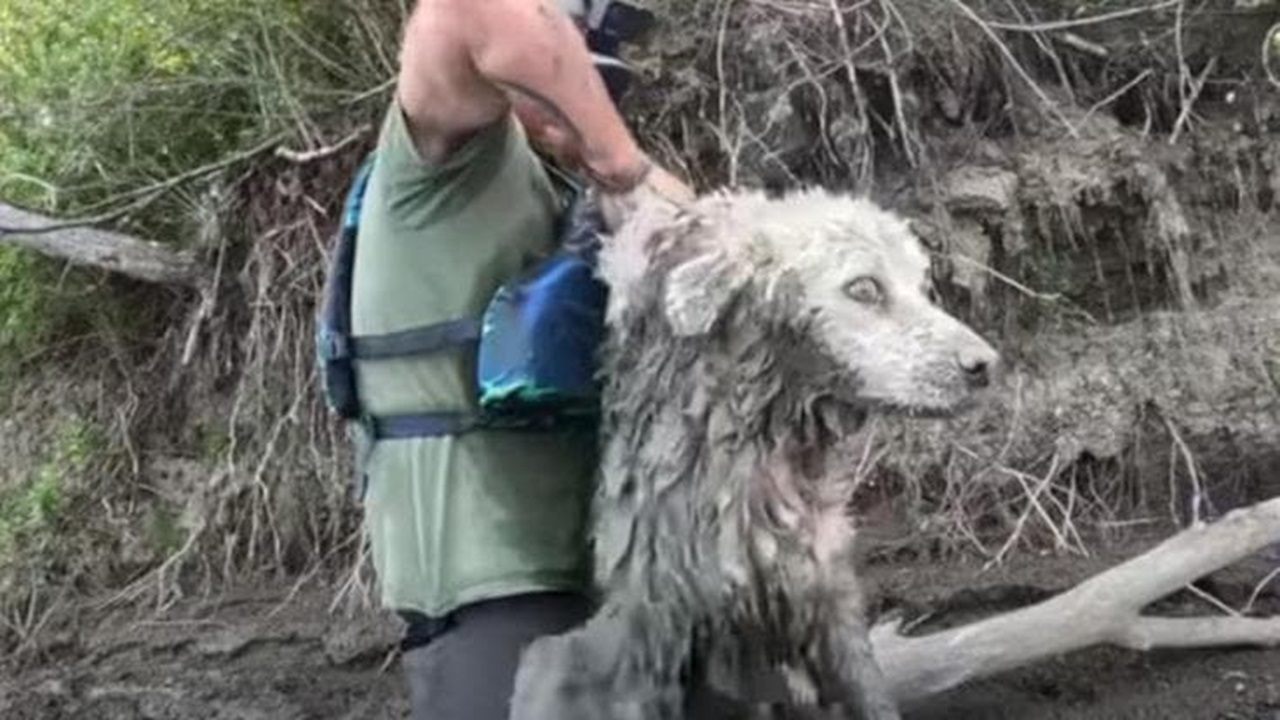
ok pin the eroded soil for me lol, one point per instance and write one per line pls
(252, 655)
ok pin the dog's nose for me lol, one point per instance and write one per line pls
(978, 366)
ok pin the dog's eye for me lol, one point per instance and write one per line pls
(865, 290)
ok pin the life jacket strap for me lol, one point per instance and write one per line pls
(419, 425)
(415, 341)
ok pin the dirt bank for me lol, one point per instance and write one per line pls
(256, 654)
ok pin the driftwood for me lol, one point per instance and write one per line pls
(116, 252)
(1104, 610)
(78, 242)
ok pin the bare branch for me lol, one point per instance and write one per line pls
(302, 157)
(140, 259)
(1102, 610)
(986, 28)
(1153, 632)
(141, 197)
(1081, 22)
(1189, 102)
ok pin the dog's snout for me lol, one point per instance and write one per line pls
(978, 364)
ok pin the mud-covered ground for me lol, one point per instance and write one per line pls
(255, 655)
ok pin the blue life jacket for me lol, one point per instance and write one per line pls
(537, 341)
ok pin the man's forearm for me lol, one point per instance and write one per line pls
(530, 47)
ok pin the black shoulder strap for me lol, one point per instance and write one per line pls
(416, 341)
(340, 343)
(335, 313)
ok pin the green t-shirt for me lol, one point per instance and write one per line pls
(457, 519)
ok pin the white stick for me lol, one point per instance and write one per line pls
(140, 259)
(1102, 610)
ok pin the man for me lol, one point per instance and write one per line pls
(478, 539)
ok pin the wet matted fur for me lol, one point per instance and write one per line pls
(746, 334)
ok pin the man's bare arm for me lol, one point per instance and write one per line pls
(532, 48)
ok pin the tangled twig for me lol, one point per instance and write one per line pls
(302, 157)
(144, 196)
(1082, 22)
(1189, 101)
(987, 29)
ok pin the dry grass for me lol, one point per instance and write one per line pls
(845, 94)
(1099, 228)
(277, 498)
(849, 93)
(886, 96)
(229, 457)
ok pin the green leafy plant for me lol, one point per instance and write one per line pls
(100, 103)
(29, 511)
(23, 295)
(98, 99)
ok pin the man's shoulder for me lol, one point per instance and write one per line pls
(441, 93)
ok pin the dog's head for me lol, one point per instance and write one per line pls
(847, 280)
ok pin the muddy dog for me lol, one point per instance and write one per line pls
(747, 334)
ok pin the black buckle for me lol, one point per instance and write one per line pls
(619, 23)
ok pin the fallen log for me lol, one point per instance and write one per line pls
(140, 259)
(1105, 609)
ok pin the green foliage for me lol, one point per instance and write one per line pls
(40, 302)
(23, 296)
(30, 511)
(165, 534)
(214, 440)
(104, 94)
(98, 99)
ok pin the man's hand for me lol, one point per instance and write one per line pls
(535, 53)
(658, 184)
(667, 185)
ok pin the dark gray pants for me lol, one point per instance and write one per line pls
(467, 671)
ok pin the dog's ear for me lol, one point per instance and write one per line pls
(699, 291)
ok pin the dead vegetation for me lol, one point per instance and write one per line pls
(1097, 179)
